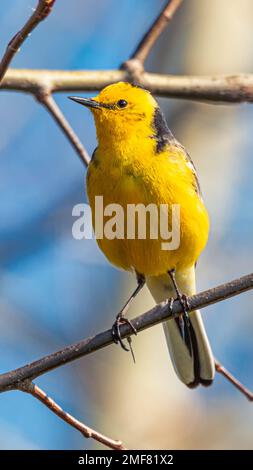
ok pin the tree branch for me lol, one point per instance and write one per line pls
(45, 98)
(33, 389)
(216, 89)
(41, 83)
(11, 380)
(135, 65)
(221, 370)
(43, 91)
(41, 12)
(144, 47)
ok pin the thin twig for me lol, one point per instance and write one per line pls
(41, 12)
(43, 93)
(213, 89)
(245, 391)
(148, 41)
(135, 65)
(45, 98)
(86, 431)
(11, 380)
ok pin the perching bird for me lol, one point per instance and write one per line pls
(138, 161)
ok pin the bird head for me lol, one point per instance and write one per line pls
(121, 111)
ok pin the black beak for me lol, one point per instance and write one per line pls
(85, 101)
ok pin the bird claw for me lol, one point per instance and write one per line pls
(185, 301)
(170, 305)
(186, 307)
(116, 335)
(184, 317)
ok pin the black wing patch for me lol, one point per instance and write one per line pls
(164, 136)
(94, 158)
(162, 133)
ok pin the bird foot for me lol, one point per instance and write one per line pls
(120, 320)
(183, 318)
(183, 299)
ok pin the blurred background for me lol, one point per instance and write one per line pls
(55, 290)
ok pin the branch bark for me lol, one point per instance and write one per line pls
(46, 99)
(33, 389)
(42, 83)
(43, 91)
(213, 89)
(43, 9)
(221, 370)
(11, 380)
(144, 47)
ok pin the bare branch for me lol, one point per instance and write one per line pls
(245, 391)
(39, 394)
(45, 98)
(43, 9)
(42, 83)
(30, 81)
(216, 89)
(11, 380)
(43, 92)
(141, 52)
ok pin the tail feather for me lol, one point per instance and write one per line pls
(193, 365)
(188, 345)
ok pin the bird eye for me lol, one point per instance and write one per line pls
(122, 103)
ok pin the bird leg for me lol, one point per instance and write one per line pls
(121, 319)
(183, 299)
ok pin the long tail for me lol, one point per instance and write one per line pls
(188, 346)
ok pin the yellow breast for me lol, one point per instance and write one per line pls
(139, 176)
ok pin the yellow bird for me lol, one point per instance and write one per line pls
(138, 161)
